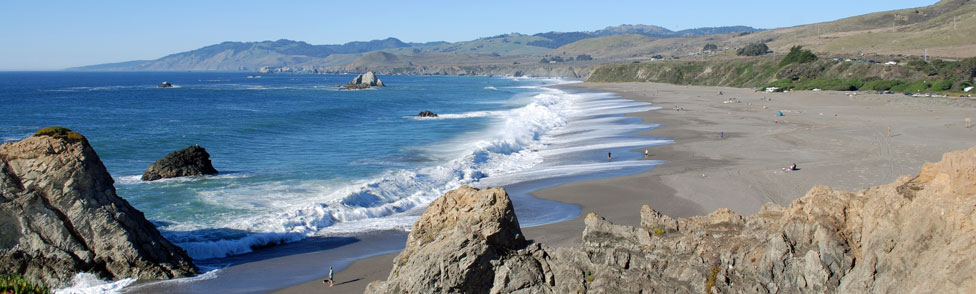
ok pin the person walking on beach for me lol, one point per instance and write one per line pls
(609, 156)
(331, 280)
(645, 153)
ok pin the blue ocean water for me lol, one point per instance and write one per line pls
(300, 158)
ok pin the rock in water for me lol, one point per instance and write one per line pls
(164, 85)
(59, 215)
(915, 235)
(192, 161)
(427, 113)
(365, 81)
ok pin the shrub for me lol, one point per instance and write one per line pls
(914, 87)
(941, 85)
(753, 50)
(710, 47)
(17, 284)
(60, 133)
(798, 55)
(968, 67)
(658, 231)
(830, 84)
(544, 60)
(583, 57)
(881, 85)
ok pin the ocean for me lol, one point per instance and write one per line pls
(300, 159)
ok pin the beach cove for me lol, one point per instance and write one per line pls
(835, 138)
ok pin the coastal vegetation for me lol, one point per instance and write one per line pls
(60, 133)
(801, 69)
(19, 285)
(755, 49)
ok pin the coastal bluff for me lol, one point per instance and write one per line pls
(60, 215)
(914, 235)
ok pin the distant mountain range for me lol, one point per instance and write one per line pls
(252, 56)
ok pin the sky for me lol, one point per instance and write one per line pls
(51, 35)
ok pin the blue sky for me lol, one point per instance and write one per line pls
(42, 35)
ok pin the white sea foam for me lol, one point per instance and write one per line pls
(510, 151)
(137, 179)
(491, 88)
(85, 283)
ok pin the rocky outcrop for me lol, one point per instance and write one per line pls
(364, 81)
(192, 161)
(59, 215)
(427, 113)
(164, 85)
(914, 235)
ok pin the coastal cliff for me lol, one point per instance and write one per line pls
(60, 216)
(914, 235)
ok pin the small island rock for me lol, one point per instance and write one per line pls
(192, 161)
(364, 81)
(165, 85)
(427, 113)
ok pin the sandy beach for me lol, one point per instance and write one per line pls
(730, 151)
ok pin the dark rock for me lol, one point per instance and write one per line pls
(59, 215)
(364, 81)
(427, 113)
(165, 85)
(192, 161)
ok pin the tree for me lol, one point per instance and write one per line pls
(710, 47)
(755, 49)
(544, 60)
(798, 55)
(584, 57)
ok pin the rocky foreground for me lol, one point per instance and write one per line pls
(914, 235)
(59, 215)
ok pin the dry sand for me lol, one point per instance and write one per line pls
(835, 139)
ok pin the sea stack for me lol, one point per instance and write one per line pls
(164, 85)
(59, 215)
(192, 161)
(364, 81)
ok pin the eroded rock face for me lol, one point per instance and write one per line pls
(59, 215)
(914, 235)
(192, 161)
(365, 81)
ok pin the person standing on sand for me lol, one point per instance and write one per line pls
(609, 157)
(645, 152)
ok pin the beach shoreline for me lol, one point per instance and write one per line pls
(731, 153)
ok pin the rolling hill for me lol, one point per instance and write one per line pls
(287, 55)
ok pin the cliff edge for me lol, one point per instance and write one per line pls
(59, 215)
(914, 235)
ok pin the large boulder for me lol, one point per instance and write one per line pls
(192, 161)
(454, 245)
(59, 215)
(364, 81)
(915, 235)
